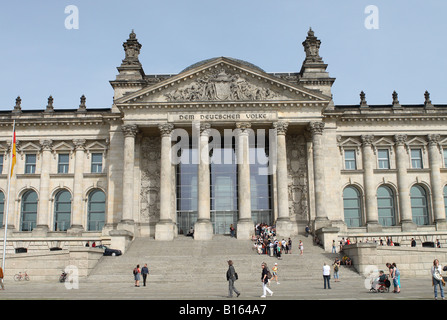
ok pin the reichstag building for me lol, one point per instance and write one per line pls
(224, 143)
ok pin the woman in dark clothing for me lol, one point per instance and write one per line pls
(231, 277)
(265, 280)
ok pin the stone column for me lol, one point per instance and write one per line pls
(406, 220)
(436, 183)
(321, 218)
(127, 220)
(284, 226)
(164, 229)
(42, 225)
(372, 217)
(78, 188)
(245, 225)
(203, 229)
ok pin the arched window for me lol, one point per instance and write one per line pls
(28, 216)
(419, 205)
(62, 211)
(385, 206)
(2, 209)
(96, 210)
(352, 206)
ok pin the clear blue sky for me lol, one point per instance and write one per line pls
(41, 57)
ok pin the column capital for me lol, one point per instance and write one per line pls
(242, 127)
(205, 128)
(130, 130)
(433, 139)
(166, 129)
(316, 127)
(367, 139)
(281, 127)
(400, 139)
(79, 144)
(46, 144)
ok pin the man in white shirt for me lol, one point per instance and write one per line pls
(326, 275)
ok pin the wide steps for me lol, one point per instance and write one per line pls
(186, 260)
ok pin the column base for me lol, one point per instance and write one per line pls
(373, 226)
(245, 229)
(441, 225)
(40, 231)
(408, 225)
(165, 230)
(322, 223)
(284, 228)
(203, 230)
(75, 230)
(126, 225)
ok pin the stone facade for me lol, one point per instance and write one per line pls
(331, 165)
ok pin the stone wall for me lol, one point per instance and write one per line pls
(48, 266)
(411, 261)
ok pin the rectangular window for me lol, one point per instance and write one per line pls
(96, 162)
(62, 165)
(384, 158)
(1, 164)
(445, 158)
(30, 163)
(416, 158)
(350, 160)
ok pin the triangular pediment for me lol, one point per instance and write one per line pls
(222, 80)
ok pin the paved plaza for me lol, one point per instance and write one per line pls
(310, 289)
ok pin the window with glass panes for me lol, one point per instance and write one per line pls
(416, 158)
(30, 163)
(62, 211)
(350, 163)
(352, 207)
(96, 210)
(96, 163)
(383, 158)
(1, 164)
(62, 166)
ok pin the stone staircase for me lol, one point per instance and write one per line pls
(187, 260)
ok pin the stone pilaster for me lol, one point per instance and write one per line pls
(372, 217)
(245, 224)
(78, 187)
(127, 220)
(435, 181)
(321, 217)
(165, 228)
(42, 225)
(203, 229)
(406, 220)
(284, 226)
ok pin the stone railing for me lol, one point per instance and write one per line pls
(411, 261)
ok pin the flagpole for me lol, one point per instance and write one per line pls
(7, 198)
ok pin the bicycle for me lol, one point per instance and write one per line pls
(21, 276)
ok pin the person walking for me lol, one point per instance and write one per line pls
(437, 279)
(231, 277)
(275, 273)
(144, 273)
(301, 248)
(326, 275)
(336, 270)
(265, 280)
(334, 249)
(136, 274)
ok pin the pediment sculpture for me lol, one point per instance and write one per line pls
(221, 86)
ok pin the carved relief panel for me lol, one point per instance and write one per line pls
(150, 179)
(297, 176)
